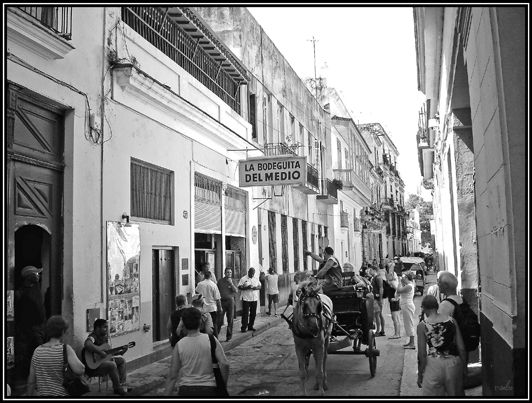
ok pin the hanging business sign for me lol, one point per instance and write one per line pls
(286, 170)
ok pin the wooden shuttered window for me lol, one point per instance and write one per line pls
(305, 243)
(151, 192)
(284, 242)
(272, 240)
(295, 233)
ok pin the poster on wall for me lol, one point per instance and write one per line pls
(123, 258)
(10, 352)
(10, 308)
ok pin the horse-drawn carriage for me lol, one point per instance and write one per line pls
(353, 310)
(350, 325)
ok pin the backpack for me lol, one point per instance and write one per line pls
(468, 323)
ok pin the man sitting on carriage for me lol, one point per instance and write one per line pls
(329, 270)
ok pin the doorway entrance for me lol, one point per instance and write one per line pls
(32, 248)
(164, 289)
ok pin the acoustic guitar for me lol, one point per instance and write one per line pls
(94, 360)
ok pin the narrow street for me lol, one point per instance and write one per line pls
(266, 365)
(161, 157)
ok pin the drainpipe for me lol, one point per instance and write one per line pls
(102, 118)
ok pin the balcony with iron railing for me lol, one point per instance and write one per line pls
(275, 149)
(177, 35)
(58, 19)
(344, 219)
(347, 176)
(329, 192)
(312, 185)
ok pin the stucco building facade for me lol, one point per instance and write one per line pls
(471, 67)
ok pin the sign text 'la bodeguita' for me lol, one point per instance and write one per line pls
(278, 171)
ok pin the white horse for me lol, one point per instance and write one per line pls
(311, 328)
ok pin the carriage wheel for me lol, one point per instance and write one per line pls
(372, 346)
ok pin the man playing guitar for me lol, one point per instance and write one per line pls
(96, 343)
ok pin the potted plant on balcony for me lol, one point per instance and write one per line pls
(338, 184)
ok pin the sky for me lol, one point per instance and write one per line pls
(368, 55)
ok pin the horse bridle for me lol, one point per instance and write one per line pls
(312, 314)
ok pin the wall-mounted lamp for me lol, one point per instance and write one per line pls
(125, 217)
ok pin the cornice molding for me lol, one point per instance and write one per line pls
(137, 84)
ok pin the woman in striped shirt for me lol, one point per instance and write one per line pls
(46, 370)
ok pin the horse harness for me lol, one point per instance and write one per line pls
(295, 329)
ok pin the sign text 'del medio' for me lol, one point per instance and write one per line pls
(273, 171)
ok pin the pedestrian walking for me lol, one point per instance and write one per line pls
(30, 314)
(456, 307)
(206, 325)
(192, 366)
(272, 291)
(441, 370)
(210, 292)
(174, 319)
(378, 293)
(406, 302)
(228, 292)
(249, 285)
(393, 300)
(204, 267)
(46, 368)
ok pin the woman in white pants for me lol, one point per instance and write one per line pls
(406, 302)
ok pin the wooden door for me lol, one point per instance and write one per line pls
(34, 183)
(163, 291)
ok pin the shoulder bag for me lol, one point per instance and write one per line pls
(74, 384)
(221, 389)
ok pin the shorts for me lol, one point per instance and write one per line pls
(377, 306)
(394, 305)
(273, 298)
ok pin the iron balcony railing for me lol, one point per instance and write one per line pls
(166, 35)
(313, 176)
(344, 219)
(274, 149)
(58, 19)
(329, 188)
(346, 176)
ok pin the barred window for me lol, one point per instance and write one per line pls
(151, 192)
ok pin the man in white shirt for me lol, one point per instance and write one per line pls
(249, 286)
(210, 292)
(272, 291)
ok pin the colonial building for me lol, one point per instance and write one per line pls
(286, 119)
(124, 128)
(472, 142)
(352, 167)
(391, 208)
